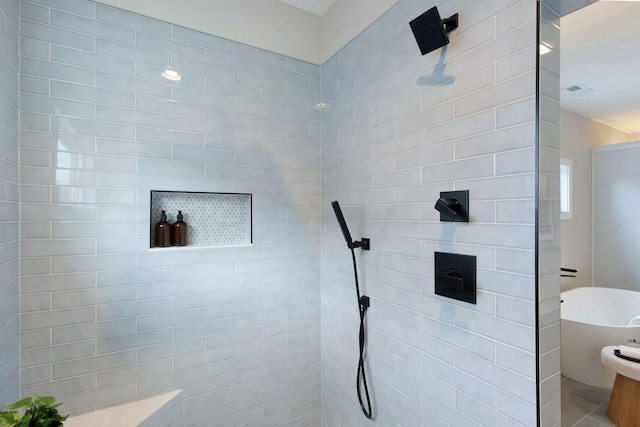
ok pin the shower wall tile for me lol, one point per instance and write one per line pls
(462, 118)
(9, 211)
(104, 319)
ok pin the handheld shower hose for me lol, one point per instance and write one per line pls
(363, 305)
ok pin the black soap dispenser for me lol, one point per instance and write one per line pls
(179, 231)
(163, 231)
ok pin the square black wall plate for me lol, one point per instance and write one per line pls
(455, 276)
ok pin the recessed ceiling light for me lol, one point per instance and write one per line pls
(321, 106)
(172, 75)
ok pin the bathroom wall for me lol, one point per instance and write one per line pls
(9, 210)
(402, 128)
(105, 319)
(578, 135)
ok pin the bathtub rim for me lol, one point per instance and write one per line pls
(581, 289)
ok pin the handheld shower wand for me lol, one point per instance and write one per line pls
(363, 304)
(364, 243)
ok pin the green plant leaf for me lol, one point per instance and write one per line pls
(9, 419)
(20, 403)
(44, 400)
(25, 420)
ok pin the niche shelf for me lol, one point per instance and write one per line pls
(213, 219)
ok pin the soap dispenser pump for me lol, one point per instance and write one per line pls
(179, 231)
(163, 231)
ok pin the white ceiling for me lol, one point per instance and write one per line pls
(317, 7)
(600, 49)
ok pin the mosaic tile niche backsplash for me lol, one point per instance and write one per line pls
(213, 219)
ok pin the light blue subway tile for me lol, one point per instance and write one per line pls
(522, 112)
(48, 319)
(202, 126)
(88, 331)
(271, 83)
(56, 36)
(233, 144)
(38, 248)
(199, 97)
(503, 188)
(49, 141)
(129, 52)
(34, 12)
(128, 181)
(168, 320)
(32, 121)
(306, 93)
(171, 349)
(221, 87)
(132, 20)
(132, 85)
(260, 134)
(91, 27)
(56, 106)
(35, 157)
(260, 55)
(134, 372)
(133, 149)
(40, 356)
(162, 105)
(218, 157)
(174, 167)
(133, 341)
(91, 365)
(81, 298)
(92, 128)
(515, 211)
(38, 68)
(34, 49)
(500, 47)
(35, 375)
(278, 98)
(133, 117)
(35, 230)
(34, 85)
(35, 302)
(231, 61)
(78, 7)
(478, 167)
(164, 136)
(198, 38)
(303, 67)
(156, 290)
(73, 264)
(179, 49)
(91, 60)
(210, 71)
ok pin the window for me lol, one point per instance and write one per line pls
(566, 171)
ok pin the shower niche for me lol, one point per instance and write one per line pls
(213, 219)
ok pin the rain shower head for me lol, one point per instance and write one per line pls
(431, 31)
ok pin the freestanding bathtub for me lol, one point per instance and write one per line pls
(592, 318)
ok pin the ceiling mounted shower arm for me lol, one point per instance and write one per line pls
(450, 23)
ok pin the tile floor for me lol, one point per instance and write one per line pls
(583, 405)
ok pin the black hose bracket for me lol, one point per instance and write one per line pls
(365, 302)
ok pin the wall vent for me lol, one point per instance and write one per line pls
(577, 88)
